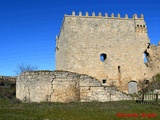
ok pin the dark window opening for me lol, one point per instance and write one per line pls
(140, 25)
(119, 69)
(137, 25)
(146, 81)
(148, 45)
(146, 56)
(57, 48)
(103, 57)
(104, 81)
(144, 26)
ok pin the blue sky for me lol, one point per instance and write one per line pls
(28, 27)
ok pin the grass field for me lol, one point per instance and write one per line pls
(14, 110)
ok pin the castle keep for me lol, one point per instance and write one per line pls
(119, 42)
(97, 58)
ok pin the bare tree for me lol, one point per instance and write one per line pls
(24, 68)
(142, 86)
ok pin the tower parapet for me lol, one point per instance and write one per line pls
(118, 16)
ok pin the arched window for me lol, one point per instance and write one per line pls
(103, 57)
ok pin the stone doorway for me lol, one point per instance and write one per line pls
(132, 87)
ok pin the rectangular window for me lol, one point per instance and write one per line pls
(104, 81)
(119, 69)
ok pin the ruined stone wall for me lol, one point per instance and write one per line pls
(123, 40)
(153, 60)
(34, 86)
(63, 86)
(102, 94)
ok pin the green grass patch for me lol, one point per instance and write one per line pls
(75, 110)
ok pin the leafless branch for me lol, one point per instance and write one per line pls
(24, 68)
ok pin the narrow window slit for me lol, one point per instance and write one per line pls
(119, 69)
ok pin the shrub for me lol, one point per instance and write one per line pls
(153, 85)
(7, 89)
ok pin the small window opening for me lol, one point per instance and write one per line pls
(146, 81)
(144, 26)
(104, 81)
(146, 55)
(137, 25)
(140, 25)
(148, 45)
(119, 69)
(57, 48)
(103, 57)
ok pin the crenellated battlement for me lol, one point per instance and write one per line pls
(118, 16)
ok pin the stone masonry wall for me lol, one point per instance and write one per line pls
(102, 94)
(63, 86)
(85, 38)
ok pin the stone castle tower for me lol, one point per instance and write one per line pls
(111, 49)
